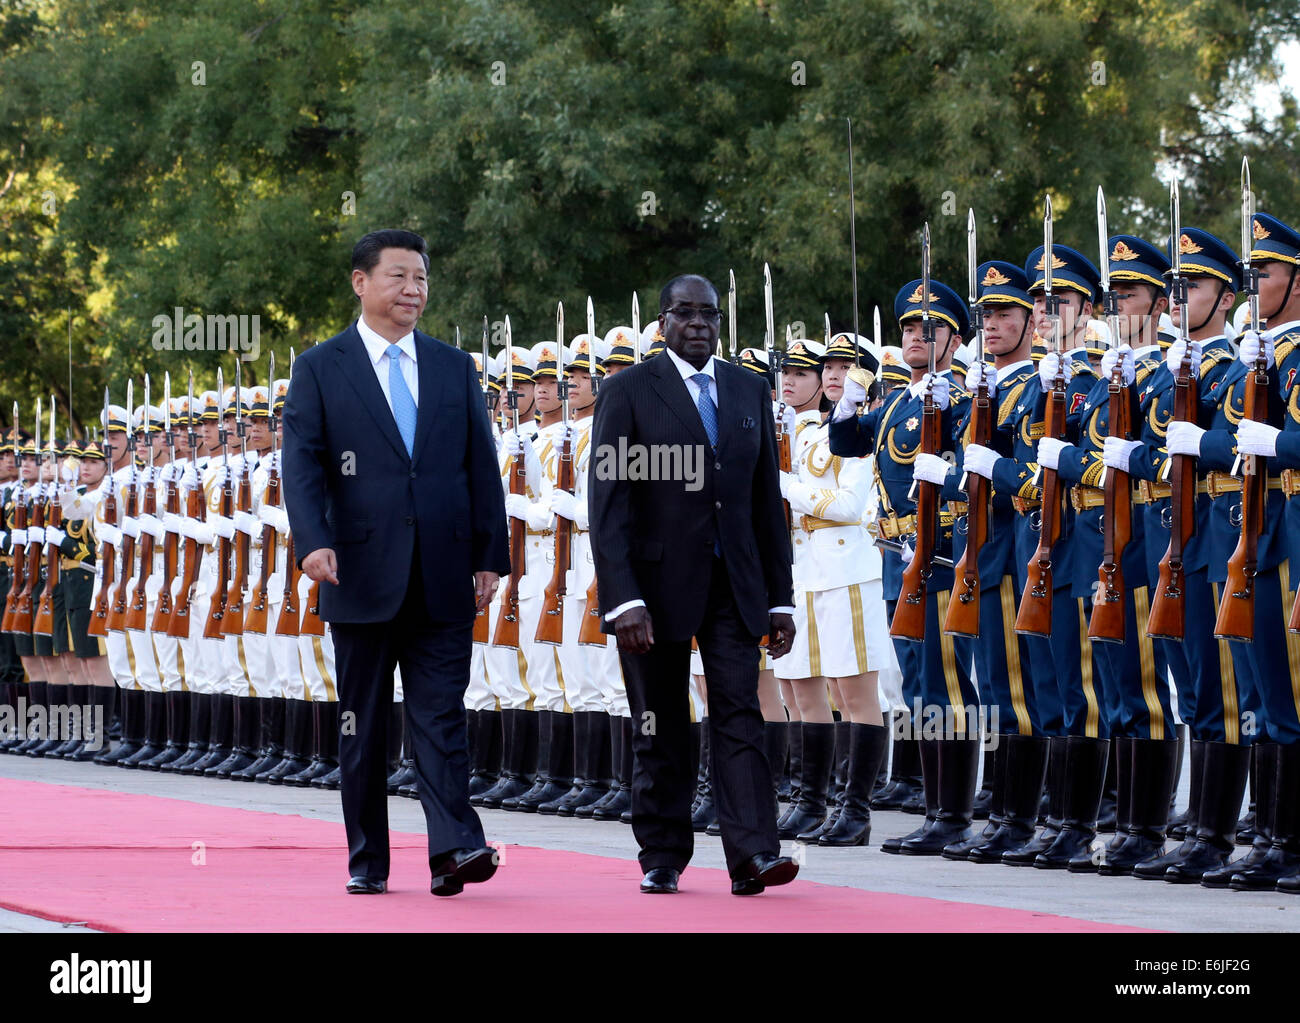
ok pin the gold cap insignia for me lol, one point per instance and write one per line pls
(1187, 247)
(515, 358)
(798, 349)
(1260, 233)
(1057, 262)
(994, 276)
(282, 389)
(915, 297)
(1122, 252)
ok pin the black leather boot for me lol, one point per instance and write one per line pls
(588, 812)
(297, 743)
(776, 740)
(542, 773)
(1283, 809)
(248, 728)
(1223, 784)
(9, 734)
(519, 759)
(839, 779)
(1154, 867)
(1247, 831)
(177, 731)
(487, 742)
(611, 808)
(906, 784)
(866, 749)
(94, 727)
(958, 762)
(266, 749)
(155, 731)
(581, 760)
(405, 773)
(199, 729)
(331, 777)
(1085, 777)
(222, 737)
(316, 765)
(1153, 776)
(703, 812)
(997, 782)
(1263, 761)
(814, 780)
(129, 742)
(1121, 761)
(984, 797)
(1025, 770)
(927, 750)
(1054, 798)
(793, 760)
(35, 731)
(74, 696)
(1108, 811)
(555, 757)
(782, 770)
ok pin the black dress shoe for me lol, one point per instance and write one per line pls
(660, 881)
(763, 870)
(366, 886)
(461, 867)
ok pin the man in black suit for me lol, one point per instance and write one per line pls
(706, 554)
(394, 499)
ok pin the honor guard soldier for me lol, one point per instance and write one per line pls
(936, 668)
(620, 344)
(1274, 655)
(11, 669)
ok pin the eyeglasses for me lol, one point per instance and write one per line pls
(689, 312)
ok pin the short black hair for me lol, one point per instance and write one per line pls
(666, 294)
(365, 253)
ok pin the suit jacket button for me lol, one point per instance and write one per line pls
(412, 474)
(717, 465)
(410, 520)
(717, 504)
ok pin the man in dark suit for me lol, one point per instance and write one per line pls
(394, 499)
(706, 554)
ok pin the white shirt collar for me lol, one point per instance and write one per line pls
(686, 369)
(377, 346)
(1015, 367)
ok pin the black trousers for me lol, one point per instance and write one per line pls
(662, 780)
(435, 662)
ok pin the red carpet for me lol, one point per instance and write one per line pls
(120, 862)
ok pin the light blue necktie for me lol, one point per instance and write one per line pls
(403, 403)
(708, 413)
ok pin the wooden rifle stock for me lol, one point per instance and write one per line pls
(1169, 603)
(287, 623)
(19, 558)
(44, 622)
(1108, 607)
(162, 615)
(117, 612)
(22, 620)
(507, 628)
(108, 567)
(179, 623)
(589, 634)
(312, 624)
(217, 606)
(785, 464)
(963, 617)
(135, 615)
(1034, 616)
(255, 619)
(909, 612)
(550, 626)
(1236, 618)
(232, 624)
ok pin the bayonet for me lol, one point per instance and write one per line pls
(636, 329)
(853, 249)
(731, 311)
(512, 396)
(560, 381)
(591, 346)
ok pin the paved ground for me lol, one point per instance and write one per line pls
(1113, 900)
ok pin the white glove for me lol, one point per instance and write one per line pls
(566, 505)
(36, 535)
(930, 469)
(1116, 453)
(190, 478)
(1174, 357)
(222, 526)
(854, 394)
(1184, 439)
(1254, 439)
(1123, 356)
(68, 473)
(172, 522)
(203, 533)
(131, 527)
(941, 385)
(19, 536)
(787, 480)
(783, 416)
(514, 445)
(278, 519)
(1047, 370)
(151, 525)
(108, 534)
(1249, 344)
(517, 506)
(246, 523)
(54, 536)
(980, 460)
(907, 553)
(978, 370)
(1049, 452)
(67, 497)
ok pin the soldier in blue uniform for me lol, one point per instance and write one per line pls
(1136, 711)
(1062, 668)
(935, 670)
(1200, 664)
(1274, 859)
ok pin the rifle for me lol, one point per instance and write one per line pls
(481, 614)
(1169, 605)
(233, 622)
(44, 622)
(178, 624)
(287, 623)
(162, 615)
(550, 626)
(909, 612)
(212, 628)
(1236, 619)
(1108, 608)
(507, 628)
(963, 617)
(1034, 617)
(140, 599)
(255, 619)
(108, 556)
(776, 359)
(17, 550)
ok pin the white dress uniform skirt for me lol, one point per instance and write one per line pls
(838, 633)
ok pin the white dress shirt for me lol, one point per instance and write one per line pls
(377, 348)
(693, 387)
